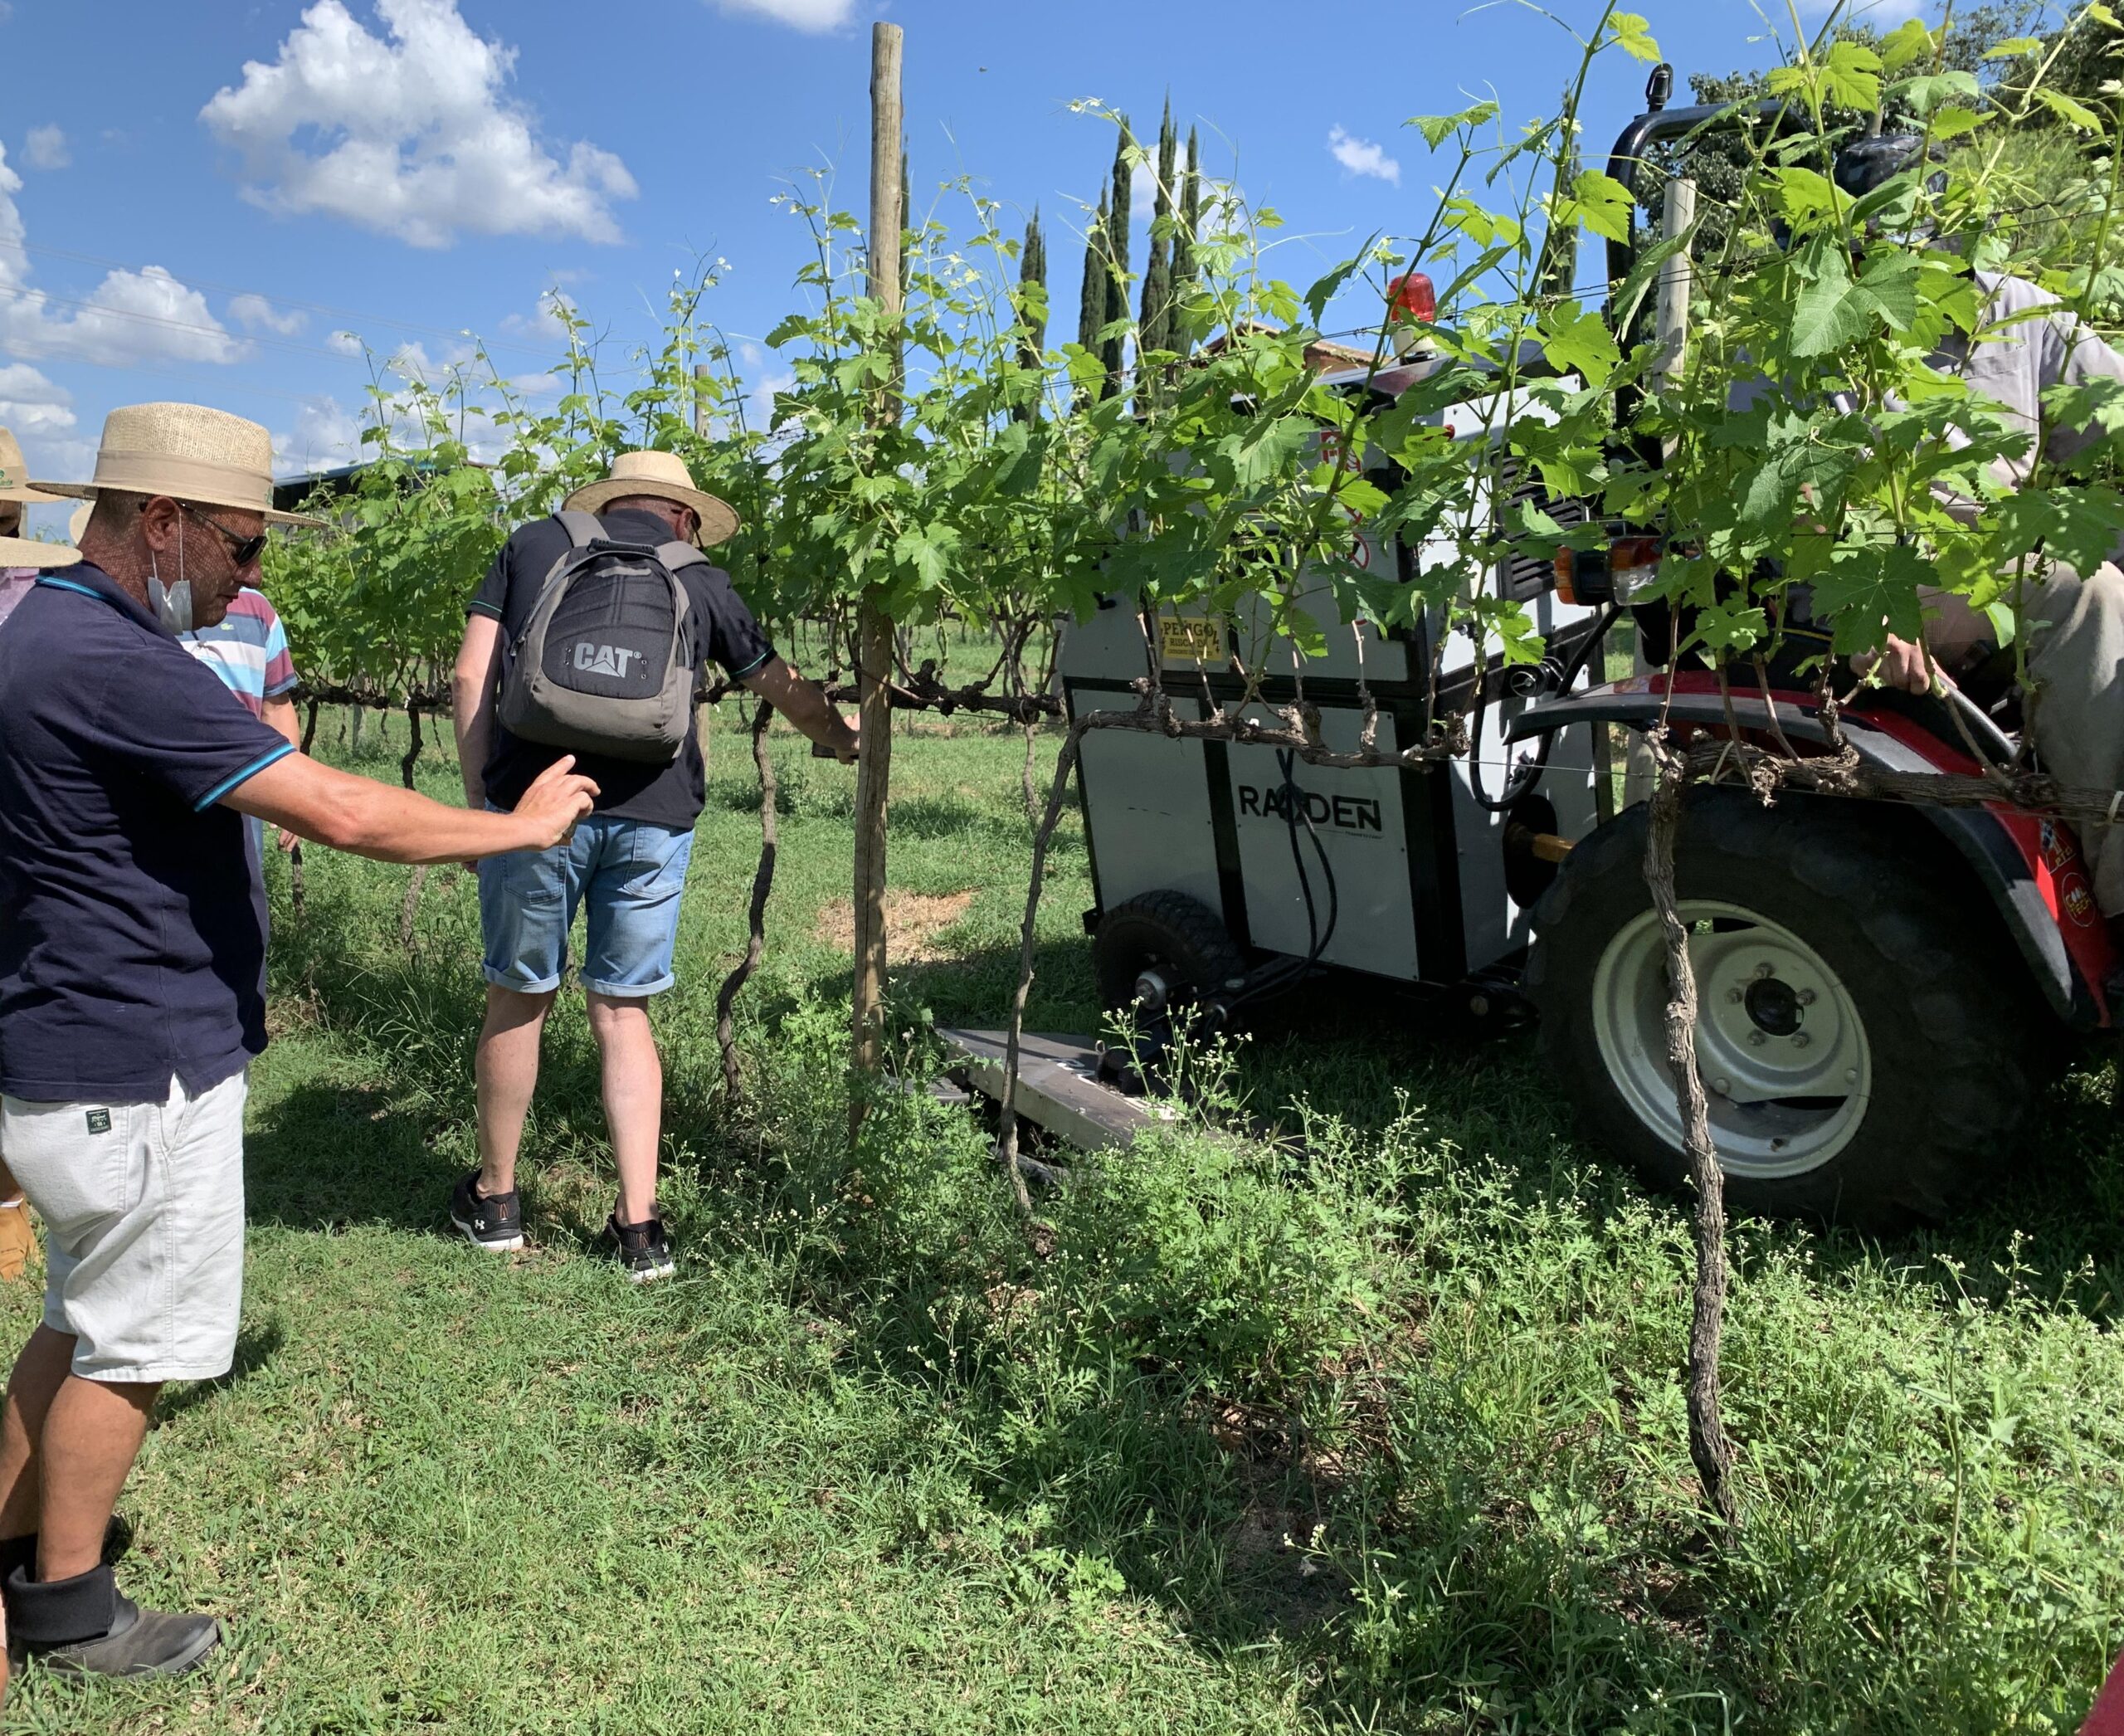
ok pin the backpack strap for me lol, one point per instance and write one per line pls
(582, 527)
(675, 554)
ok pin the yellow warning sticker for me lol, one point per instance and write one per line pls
(1195, 641)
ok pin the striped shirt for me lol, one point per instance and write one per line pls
(248, 650)
(15, 583)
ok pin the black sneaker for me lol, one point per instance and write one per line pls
(494, 1223)
(641, 1249)
(87, 1625)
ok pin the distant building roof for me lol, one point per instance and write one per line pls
(1321, 355)
(292, 492)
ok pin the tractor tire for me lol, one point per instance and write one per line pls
(1865, 1033)
(1163, 928)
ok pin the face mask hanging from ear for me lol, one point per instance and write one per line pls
(171, 603)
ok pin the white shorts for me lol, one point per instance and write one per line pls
(143, 1208)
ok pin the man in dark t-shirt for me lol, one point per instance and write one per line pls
(625, 866)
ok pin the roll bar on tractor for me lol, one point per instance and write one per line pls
(1660, 125)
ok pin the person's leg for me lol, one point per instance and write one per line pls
(39, 1371)
(505, 1068)
(631, 902)
(2075, 713)
(144, 1205)
(92, 1434)
(526, 900)
(633, 1078)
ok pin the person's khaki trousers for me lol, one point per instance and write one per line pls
(2075, 715)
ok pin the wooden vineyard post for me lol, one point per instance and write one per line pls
(874, 660)
(1677, 278)
(1710, 1447)
(726, 1028)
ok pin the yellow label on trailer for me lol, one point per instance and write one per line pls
(1191, 640)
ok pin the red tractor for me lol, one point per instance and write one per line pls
(1880, 983)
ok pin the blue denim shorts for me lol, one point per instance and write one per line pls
(628, 876)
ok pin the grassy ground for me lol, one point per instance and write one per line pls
(1389, 1439)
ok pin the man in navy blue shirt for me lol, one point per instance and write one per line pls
(132, 956)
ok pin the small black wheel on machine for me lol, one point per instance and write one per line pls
(1863, 1030)
(1161, 949)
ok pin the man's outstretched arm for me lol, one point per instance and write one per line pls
(368, 818)
(804, 704)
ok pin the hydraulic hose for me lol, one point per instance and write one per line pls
(1527, 773)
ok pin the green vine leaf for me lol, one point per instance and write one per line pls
(1633, 35)
(1437, 128)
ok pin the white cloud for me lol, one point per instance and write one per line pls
(412, 137)
(809, 15)
(326, 435)
(410, 361)
(344, 344)
(759, 402)
(545, 324)
(1362, 156)
(45, 147)
(129, 318)
(254, 313)
(30, 404)
(1142, 193)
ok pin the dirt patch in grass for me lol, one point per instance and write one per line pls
(913, 922)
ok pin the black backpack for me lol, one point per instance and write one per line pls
(605, 664)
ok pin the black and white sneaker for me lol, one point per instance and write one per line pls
(494, 1223)
(642, 1250)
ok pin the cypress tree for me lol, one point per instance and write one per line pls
(1154, 323)
(1114, 352)
(1183, 246)
(1032, 318)
(1091, 304)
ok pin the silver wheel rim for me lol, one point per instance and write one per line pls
(1782, 1052)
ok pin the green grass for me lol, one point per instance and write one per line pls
(1389, 1437)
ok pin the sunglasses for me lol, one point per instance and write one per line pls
(243, 550)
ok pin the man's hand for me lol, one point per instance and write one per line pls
(847, 743)
(559, 797)
(1902, 666)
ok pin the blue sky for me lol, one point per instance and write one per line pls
(198, 201)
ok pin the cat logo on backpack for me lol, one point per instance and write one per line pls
(603, 660)
(605, 664)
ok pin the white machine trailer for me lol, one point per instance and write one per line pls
(1210, 854)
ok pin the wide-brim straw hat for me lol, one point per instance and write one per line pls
(664, 474)
(23, 551)
(191, 453)
(13, 473)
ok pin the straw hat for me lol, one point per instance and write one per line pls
(12, 470)
(207, 457)
(664, 474)
(23, 551)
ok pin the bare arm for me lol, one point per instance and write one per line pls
(804, 704)
(472, 696)
(393, 825)
(280, 715)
